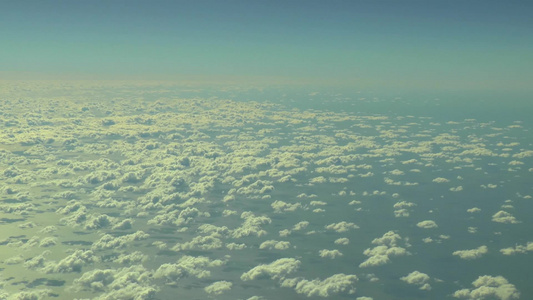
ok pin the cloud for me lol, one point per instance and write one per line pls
(504, 217)
(272, 244)
(518, 249)
(251, 225)
(107, 241)
(72, 263)
(329, 253)
(341, 226)
(418, 278)
(440, 180)
(427, 224)
(186, 266)
(489, 287)
(134, 282)
(338, 283)
(281, 206)
(387, 246)
(201, 242)
(275, 270)
(472, 253)
(342, 241)
(218, 287)
(30, 295)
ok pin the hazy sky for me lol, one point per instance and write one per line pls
(415, 44)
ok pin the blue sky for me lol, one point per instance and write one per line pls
(449, 44)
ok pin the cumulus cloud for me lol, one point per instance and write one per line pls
(272, 244)
(440, 180)
(387, 246)
(275, 270)
(342, 241)
(418, 278)
(472, 253)
(281, 206)
(108, 241)
(338, 283)
(251, 225)
(518, 249)
(133, 282)
(201, 242)
(341, 226)
(427, 224)
(504, 217)
(218, 287)
(72, 263)
(489, 287)
(329, 253)
(186, 266)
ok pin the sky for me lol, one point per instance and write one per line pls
(450, 44)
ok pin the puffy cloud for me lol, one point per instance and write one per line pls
(200, 242)
(251, 225)
(133, 282)
(338, 283)
(72, 263)
(186, 266)
(427, 224)
(456, 188)
(17, 259)
(272, 244)
(472, 253)
(97, 222)
(401, 208)
(473, 210)
(504, 217)
(275, 270)
(342, 241)
(489, 287)
(109, 242)
(281, 206)
(518, 249)
(95, 280)
(418, 278)
(387, 246)
(31, 295)
(300, 225)
(218, 287)
(401, 213)
(235, 246)
(37, 261)
(403, 204)
(123, 225)
(341, 226)
(329, 253)
(440, 180)
(131, 258)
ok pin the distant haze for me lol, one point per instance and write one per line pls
(447, 45)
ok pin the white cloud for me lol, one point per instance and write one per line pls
(418, 278)
(218, 287)
(275, 270)
(427, 224)
(472, 253)
(504, 217)
(341, 226)
(489, 287)
(334, 284)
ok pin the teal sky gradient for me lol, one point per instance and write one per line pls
(448, 44)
